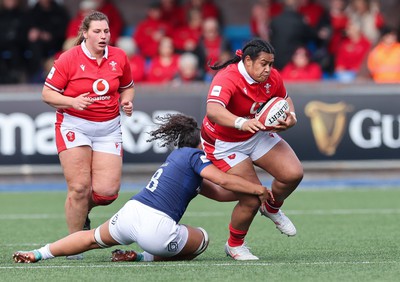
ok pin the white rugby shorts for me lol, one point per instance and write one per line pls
(226, 155)
(154, 231)
(103, 136)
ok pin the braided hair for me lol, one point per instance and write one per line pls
(177, 129)
(252, 49)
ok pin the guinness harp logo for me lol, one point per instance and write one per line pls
(328, 123)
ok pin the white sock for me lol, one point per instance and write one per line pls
(45, 252)
(147, 256)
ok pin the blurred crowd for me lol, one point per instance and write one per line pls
(177, 40)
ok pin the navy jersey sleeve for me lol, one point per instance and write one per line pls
(198, 161)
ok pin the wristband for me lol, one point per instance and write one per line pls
(239, 122)
(294, 115)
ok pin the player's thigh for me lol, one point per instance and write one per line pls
(106, 172)
(196, 240)
(246, 170)
(281, 162)
(105, 235)
(76, 164)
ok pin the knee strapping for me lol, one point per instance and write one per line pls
(204, 244)
(98, 240)
(101, 200)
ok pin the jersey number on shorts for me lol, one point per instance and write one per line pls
(153, 183)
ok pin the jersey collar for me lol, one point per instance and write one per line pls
(87, 52)
(245, 74)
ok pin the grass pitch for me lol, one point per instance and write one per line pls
(343, 235)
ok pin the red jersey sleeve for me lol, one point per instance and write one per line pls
(126, 78)
(221, 89)
(58, 77)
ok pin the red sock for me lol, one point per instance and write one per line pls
(236, 237)
(273, 208)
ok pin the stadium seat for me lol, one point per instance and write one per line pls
(128, 30)
(237, 35)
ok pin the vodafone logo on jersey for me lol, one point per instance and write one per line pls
(101, 86)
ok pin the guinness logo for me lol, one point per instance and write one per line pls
(328, 123)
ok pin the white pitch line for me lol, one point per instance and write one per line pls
(199, 264)
(309, 212)
(215, 214)
(23, 244)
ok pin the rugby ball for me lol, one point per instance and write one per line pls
(272, 111)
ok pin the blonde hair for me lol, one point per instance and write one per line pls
(93, 16)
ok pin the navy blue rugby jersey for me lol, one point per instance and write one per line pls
(175, 183)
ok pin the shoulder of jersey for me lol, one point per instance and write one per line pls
(230, 72)
(115, 50)
(71, 53)
(275, 74)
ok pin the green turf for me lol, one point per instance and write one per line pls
(343, 235)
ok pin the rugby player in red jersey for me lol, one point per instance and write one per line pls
(89, 85)
(236, 142)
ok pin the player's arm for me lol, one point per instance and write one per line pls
(235, 183)
(58, 100)
(220, 115)
(216, 192)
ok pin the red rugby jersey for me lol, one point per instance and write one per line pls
(234, 89)
(76, 72)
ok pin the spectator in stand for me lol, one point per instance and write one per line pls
(288, 31)
(188, 69)
(312, 11)
(212, 48)
(301, 68)
(164, 67)
(317, 17)
(339, 20)
(12, 41)
(384, 58)
(136, 61)
(367, 14)
(47, 22)
(350, 56)
(172, 12)
(149, 31)
(261, 14)
(207, 7)
(186, 38)
(108, 8)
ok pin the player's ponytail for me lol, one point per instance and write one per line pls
(178, 130)
(251, 49)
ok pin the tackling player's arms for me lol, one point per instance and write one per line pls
(234, 183)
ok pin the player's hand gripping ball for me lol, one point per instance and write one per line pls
(275, 109)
